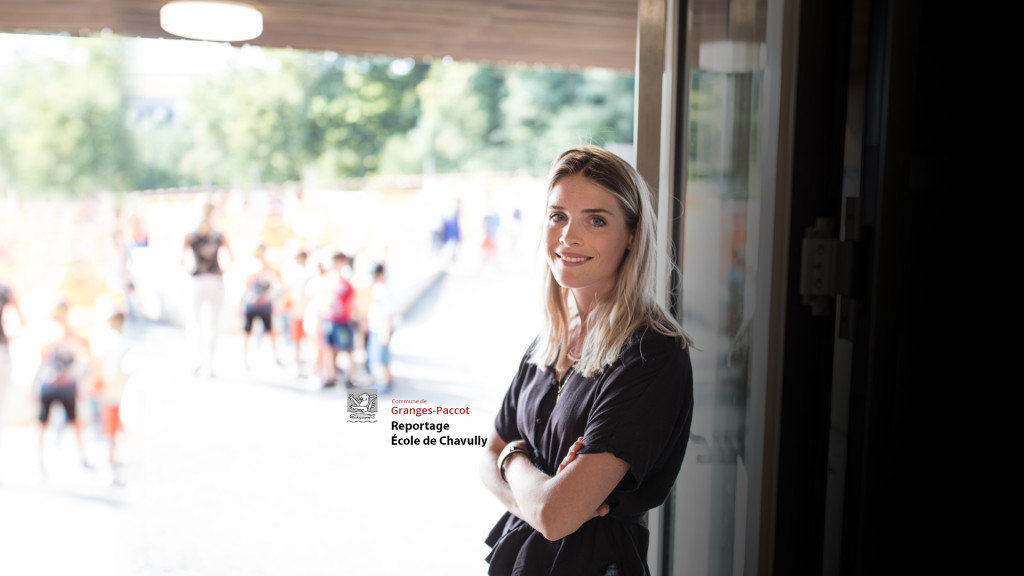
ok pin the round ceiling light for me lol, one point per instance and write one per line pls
(211, 20)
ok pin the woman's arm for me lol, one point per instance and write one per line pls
(185, 248)
(492, 478)
(555, 506)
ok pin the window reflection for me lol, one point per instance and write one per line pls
(725, 68)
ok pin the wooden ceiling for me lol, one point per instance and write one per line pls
(568, 33)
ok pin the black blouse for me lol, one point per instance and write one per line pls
(204, 249)
(638, 409)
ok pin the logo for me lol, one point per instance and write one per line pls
(362, 407)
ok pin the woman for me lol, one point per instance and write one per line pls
(7, 303)
(63, 362)
(203, 246)
(593, 429)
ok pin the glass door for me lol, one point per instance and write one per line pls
(730, 134)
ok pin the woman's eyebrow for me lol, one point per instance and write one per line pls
(585, 210)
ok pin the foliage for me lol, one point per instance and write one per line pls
(247, 125)
(73, 121)
(63, 124)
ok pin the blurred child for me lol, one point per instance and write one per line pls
(317, 295)
(295, 276)
(337, 320)
(380, 319)
(261, 285)
(110, 372)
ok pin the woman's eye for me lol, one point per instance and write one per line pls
(557, 217)
(597, 221)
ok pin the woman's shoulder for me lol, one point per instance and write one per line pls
(647, 337)
(649, 345)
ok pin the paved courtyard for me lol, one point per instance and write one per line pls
(261, 472)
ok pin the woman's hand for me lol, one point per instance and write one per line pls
(558, 505)
(491, 476)
(571, 455)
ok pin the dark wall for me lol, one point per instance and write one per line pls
(900, 404)
(817, 192)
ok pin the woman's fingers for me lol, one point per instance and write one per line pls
(571, 455)
(602, 510)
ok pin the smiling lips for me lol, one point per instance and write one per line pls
(573, 258)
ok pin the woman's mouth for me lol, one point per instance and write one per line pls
(573, 258)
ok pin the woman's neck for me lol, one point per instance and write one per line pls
(586, 301)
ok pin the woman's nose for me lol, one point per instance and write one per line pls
(570, 234)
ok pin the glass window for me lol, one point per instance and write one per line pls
(725, 63)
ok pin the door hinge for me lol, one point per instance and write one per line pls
(828, 265)
(819, 270)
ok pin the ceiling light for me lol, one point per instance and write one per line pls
(214, 20)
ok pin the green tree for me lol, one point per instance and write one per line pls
(453, 127)
(63, 125)
(273, 114)
(479, 117)
(548, 110)
(355, 105)
(247, 125)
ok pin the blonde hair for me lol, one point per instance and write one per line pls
(632, 302)
(203, 227)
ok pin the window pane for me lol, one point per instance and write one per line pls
(725, 70)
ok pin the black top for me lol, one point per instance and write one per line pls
(638, 409)
(204, 249)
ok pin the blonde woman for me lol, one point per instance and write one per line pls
(593, 429)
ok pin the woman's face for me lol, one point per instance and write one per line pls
(586, 237)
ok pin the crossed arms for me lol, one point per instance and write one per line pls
(556, 506)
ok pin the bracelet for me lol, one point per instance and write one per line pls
(506, 453)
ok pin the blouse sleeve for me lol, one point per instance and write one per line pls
(643, 410)
(505, 421)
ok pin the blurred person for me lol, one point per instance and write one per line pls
(137, 240)
(314, 323)
(380, 321)
(138, 237)
(330, 306)
(63, 362)
(203, 247)
(109, 351)
(593, 429)
(362, 285)
(515, 228)
(261, 286)
(337, 321)
(295, 276)
(451, 230)
(103, 307)
(492, 223)
(8, 306)
(117, 267)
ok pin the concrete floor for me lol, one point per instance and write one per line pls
(261, 473)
